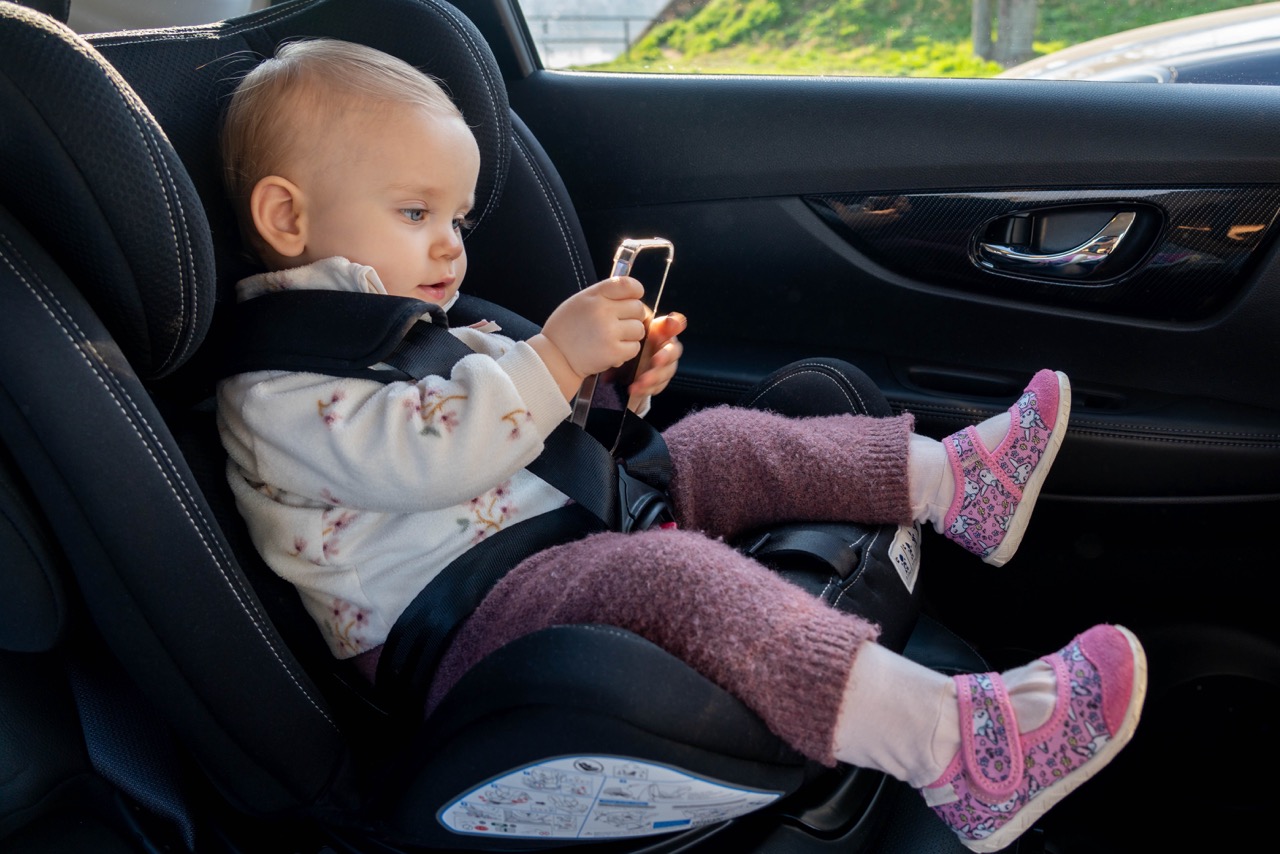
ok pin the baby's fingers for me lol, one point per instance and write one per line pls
(667, 327)
(621, 288)
(662, 369)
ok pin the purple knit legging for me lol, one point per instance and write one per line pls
(781, 651)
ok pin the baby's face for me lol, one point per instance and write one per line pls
(395, 197)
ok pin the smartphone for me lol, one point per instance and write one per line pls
(632, 258)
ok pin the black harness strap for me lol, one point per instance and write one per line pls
(807, 543)
(323, 332)
(420, 636)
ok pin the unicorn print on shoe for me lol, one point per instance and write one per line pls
(1002, 780)
(996, 490)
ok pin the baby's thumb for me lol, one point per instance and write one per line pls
(622, 287)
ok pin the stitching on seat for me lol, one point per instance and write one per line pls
(558, 212)
(821, 370)
(188, 284)
(834, 580)
(150, 442)
(504, 162)
(862, 568)
(134, 107)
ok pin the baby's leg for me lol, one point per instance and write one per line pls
(980, 498)
(781, 651)
(737, 469)
(992, 752)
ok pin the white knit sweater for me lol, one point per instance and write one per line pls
(360, 492)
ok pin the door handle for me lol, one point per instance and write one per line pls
(1072, 263)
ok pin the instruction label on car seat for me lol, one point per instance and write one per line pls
(597, 797)
(904, 551)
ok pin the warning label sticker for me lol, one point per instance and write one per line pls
(905, 554)
(597, 797)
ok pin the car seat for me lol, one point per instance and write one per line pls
(207, 706)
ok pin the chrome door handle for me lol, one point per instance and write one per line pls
(1073, 263)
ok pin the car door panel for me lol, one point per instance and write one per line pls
(749, 177)
(1158, 511)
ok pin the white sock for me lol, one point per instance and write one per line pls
(902, 718)
(930, 481)
(1033, 693)
(898, 717)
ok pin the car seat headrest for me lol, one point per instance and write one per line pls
(186, 75)
(92, 176)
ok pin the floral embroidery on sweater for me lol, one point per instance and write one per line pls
(489, 512)
(515, 418)
(347, 625)
(335, 521)
(328, 410)
(431, 405)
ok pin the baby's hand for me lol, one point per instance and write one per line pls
(600, 327)
(666, 350)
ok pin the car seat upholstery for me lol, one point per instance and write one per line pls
(116, 525)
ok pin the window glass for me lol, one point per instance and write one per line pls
(98, 16)
(1152, 40)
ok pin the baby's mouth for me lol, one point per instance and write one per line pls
(436, 290)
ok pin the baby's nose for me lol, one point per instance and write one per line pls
(449, 246)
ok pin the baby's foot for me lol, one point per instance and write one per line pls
(1001, 780)
(997, 490)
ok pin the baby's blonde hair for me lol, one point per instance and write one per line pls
(310, 85)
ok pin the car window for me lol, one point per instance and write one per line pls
(98, 16)
(1153, 40)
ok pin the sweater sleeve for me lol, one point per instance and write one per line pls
(398, 447)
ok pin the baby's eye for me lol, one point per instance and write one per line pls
(414, 214)
(462, 223)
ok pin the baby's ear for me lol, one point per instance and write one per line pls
(276, 209)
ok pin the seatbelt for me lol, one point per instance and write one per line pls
(788, 542)
(412, 650)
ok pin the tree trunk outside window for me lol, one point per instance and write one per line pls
(981, 28)
(1015, 30)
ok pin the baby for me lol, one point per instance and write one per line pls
(352, 171)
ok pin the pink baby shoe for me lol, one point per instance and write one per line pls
(997, 490)
(1001, 781)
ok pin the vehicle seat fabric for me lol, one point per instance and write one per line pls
(33, 597)
(130, 300)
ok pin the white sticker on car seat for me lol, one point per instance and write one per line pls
(904, 551)
(597, 797)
